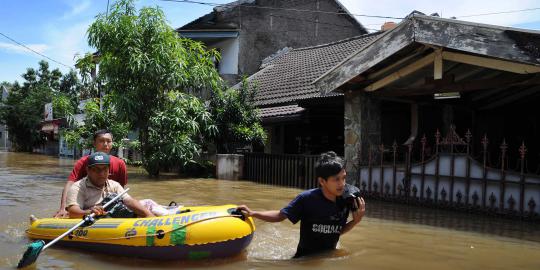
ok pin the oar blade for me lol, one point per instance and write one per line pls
(31, 254)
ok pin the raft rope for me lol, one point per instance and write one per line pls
(135, 236)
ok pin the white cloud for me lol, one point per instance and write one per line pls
(67, 42)
(77, 7)
(14, 48)
(446, 9)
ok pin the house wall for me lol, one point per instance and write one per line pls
(228, 65)
(265, 31)
(63, 148)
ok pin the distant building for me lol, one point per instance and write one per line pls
(296, 117)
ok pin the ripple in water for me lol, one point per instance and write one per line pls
(273, 242)
(13, 235)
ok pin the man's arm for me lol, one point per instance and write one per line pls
(76, 212)
(268, 216)
(61, 213)
(123, 173)
(137, 207)
(357, 216)
(78, 172)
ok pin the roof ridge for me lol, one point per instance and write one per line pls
(338, 41)
(231, 5)
(340, 5)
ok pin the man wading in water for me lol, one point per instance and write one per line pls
(322, 212)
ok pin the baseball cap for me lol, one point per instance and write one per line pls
(98, 158)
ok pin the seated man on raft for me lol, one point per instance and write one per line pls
(86, 196)
(103, 141)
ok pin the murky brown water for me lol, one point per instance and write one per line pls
(390, 236)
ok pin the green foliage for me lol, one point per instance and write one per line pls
(89, 84)
(203, 169)
(136, 163)
(236, 118)
(96, 119)
(142, 62)
(177, 134)
(62, 106)
(71, 88)
(143, 58)
(134, 144)
(23, 110)
(151, 81)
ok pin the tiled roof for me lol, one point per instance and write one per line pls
(280, 111)
(289, 76)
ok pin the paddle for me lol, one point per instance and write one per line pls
(34, 249)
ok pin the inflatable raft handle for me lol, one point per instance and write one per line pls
(237, 213)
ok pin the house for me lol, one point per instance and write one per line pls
(247, 31)
(460, 101)
(50, 130)
(422, 76)
(435, 111)
(297, 118)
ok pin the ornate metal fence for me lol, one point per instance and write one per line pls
(443, 174)
(447, 175)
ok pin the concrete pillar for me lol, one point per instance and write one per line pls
(120, 152)
(229, 166)
(362, 129)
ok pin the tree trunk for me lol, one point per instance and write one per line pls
(150, 166)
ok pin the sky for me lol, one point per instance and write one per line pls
(57, 28)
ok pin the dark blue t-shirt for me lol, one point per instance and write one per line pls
(321, 220)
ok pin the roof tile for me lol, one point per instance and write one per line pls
(288, 78)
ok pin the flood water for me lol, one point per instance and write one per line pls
(389, 237)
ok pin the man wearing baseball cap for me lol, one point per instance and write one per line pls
(103, 141)
(85, 196)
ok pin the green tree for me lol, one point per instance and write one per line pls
(22, 112)
(6, 84)
(99, 112)
(143, 61)
(71, 87)
(177, 133)
(236, 118)
(66, 97)
(90, 83)
(80, 135)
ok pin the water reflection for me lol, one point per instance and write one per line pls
(524, 230)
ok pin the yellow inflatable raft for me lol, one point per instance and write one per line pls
(194, 233)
